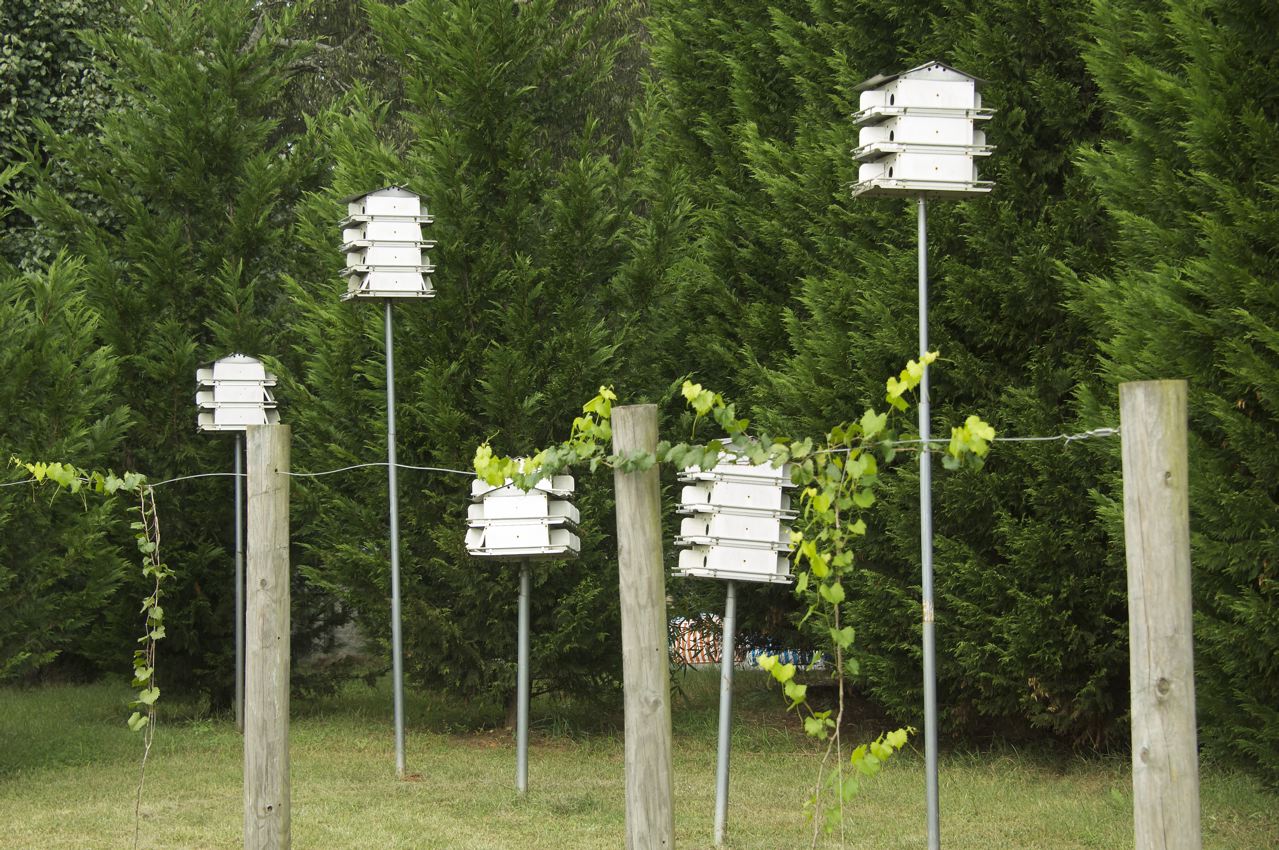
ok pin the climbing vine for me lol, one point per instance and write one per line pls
(146, 527)
(836, 480)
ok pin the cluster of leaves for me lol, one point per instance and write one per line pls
(589, 435)
(836, 482)
(75, 480)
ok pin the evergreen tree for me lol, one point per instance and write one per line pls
(61, 566)
(1191, 180)
(1029, 610)
(47, 78)
(184, 236)
(504, 146)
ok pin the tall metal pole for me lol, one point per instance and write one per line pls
(725, 712)
(397, 658)
(522, 687)
(239, 584)
(926, 547)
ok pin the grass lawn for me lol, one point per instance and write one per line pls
(69, 770)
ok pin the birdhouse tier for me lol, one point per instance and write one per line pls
(522, 543)
(529, 506)
(934, 136)
(507, 522)
(560, 486)
(235, 368)
(919, 134)
(736, 522)
(368, 228)
(236, 418)
(367, 256)
(391, 201)
(234, 393)
(732, 563)
(388, 283)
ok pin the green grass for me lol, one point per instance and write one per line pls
(69, 768)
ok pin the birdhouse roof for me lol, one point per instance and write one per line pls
(231, 358)
(394, 190)
(881, 79)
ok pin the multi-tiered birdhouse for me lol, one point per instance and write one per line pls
(507, 522)
(234, 393)
(384, 247)
(919, 133)
(736, 522)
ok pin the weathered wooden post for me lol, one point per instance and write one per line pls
(650, 820)
(1165, 764)
(266, 691)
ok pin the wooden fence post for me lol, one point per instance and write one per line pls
(1165, 762)
(650, 820)
(266, 672)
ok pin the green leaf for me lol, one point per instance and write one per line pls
(149, 696)
(819, 565)
(864, 498)
(832, 593)
(843, 638)
(137, 721)
(873, 423)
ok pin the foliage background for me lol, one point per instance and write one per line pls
(634, 192)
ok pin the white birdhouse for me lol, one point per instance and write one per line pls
(384, 247)
(736, 522)
(919, 134)
(234, 393)
(507, 522)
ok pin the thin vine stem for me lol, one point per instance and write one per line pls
(151, 529)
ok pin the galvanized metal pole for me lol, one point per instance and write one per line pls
(926, 549)
(522, 687)
(239, 584)
(725, 712)
(397, 657)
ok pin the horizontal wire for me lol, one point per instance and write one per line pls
(379, 463)
(1095, 433)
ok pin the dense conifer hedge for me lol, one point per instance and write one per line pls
(633, 193)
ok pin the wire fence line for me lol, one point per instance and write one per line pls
(934, 443)
(1065, 439)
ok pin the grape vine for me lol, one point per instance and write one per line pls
(836, 480)
(146, 528)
